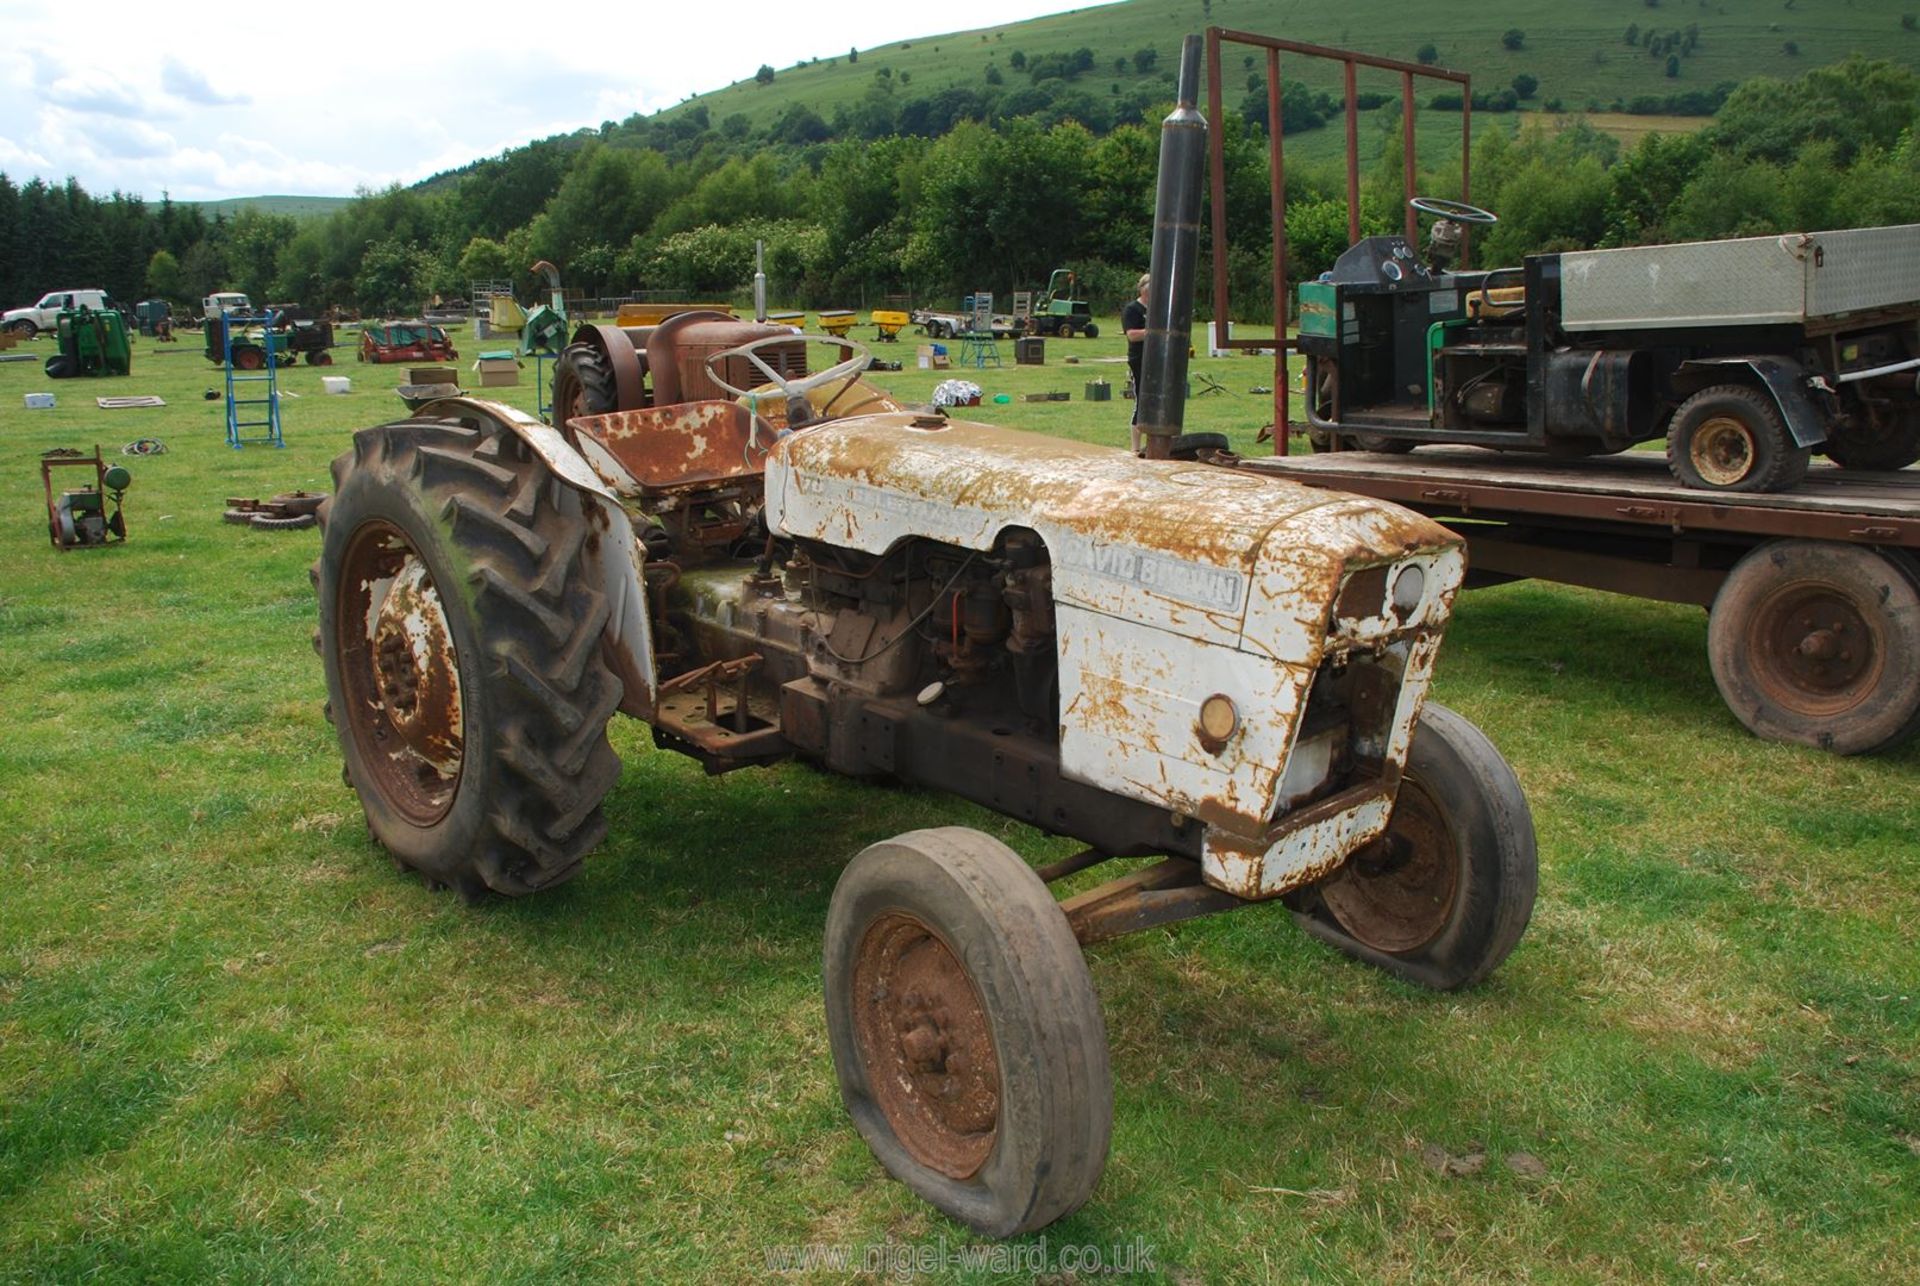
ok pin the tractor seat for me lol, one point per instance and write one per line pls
(658, 451)
(1496, 304)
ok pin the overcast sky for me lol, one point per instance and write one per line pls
(210, 100)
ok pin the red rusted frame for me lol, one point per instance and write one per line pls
(1165, 893)
(1216, 163)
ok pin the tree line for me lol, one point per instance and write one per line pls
(677, 205)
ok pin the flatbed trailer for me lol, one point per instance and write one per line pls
(1813, 594)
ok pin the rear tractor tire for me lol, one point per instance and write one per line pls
(966, 1033)
(1731, 438)
(460, 627)
(582, 385)
(1445, 894)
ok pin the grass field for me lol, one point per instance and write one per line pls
(235, 1043)
(1575, 48)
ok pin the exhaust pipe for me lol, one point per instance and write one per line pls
(760, 281)
(1176, 246)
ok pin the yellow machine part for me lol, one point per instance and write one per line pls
(1501, 301)
(654, 314)
(504, 314)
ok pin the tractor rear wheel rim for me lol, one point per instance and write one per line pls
(401, 674)
(1813, 650)
(1397, 894)
(927, 1045)
(1723, 451)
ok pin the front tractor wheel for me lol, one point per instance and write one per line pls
(966, 1032)
(1445, 894)
(460, 624)
(1731, 438)
(1818, 642)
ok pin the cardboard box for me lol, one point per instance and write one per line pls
(497, 372)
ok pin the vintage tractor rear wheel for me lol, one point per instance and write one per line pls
(1731, 438)
(582, 384)
(1445, 894)
(460, 624)
(1818, 643)
(965, 1029)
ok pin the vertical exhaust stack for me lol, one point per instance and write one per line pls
(760, 281)
(1176, 248)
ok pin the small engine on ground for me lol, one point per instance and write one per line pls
(79, 517)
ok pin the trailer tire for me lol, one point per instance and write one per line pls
(1444, 896)
(1731, 437)
(1818, 643)
(1092, 331)
(507, 797)
(582, 384)
(947, 961)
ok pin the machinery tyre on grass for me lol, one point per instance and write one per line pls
(460, 627)
(1818, 642)
(1731, 438)
(1065, 330)
(966, 1032)
(1092, 331)
(1443, 897)
(279, 522)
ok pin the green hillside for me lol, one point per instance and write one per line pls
(300, 207)
(1575, 48)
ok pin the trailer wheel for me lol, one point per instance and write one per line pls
(1818, 643)
(1731, 438)
(1444, 895)
(1876, 442)
(582, 384)
(460, 625)
(966, 1032)
(1092, 331)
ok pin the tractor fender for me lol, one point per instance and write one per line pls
(1787, 382)
(628, 637)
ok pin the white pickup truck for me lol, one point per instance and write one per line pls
(44, 315)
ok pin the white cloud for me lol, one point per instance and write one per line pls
(184, 82)
(90, 98)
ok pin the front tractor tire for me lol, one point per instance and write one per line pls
(1445, 894)
(460, 627)
(966, 1031)
(1731, 437)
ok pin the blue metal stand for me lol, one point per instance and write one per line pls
(541, 407)
(979, 349)
(270, 376)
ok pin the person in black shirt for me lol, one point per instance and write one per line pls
(1133, 320)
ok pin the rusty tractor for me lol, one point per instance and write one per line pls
(1165, 658)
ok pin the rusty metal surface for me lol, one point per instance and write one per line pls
(928, 1049)
(1165, 893)
(1171, 583)
(623, 358)
(660, 450)
(400, 675)
(1397, 893)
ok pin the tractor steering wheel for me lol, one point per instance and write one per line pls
(796, 391)
(1458, 211)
